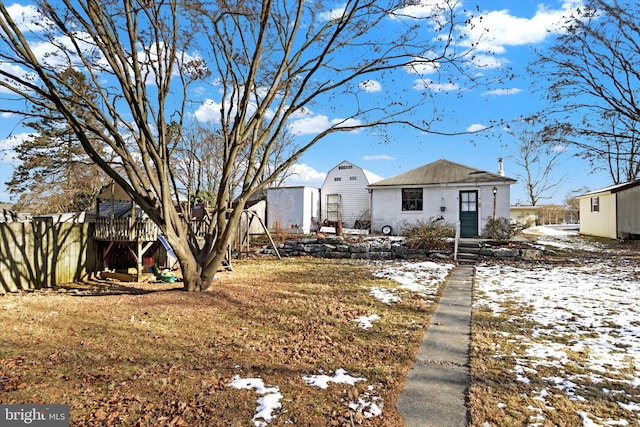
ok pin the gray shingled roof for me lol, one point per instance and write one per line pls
(615, 188)
(441, 172)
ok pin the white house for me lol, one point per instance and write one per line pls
(295, 209)
(441, 190)
(345, 196)
(611, 212)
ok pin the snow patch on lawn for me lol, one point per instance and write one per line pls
(385, 295)
(369, 405)
(422, 278)
(340, 376)
(366, 322)
(267, 404)
(563, 239)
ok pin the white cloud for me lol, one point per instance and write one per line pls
(208, 112)
(7, 145)
(423, 65)
(28, 18)
(476, 127)
(62, 51)
(494, 31)
(425, 9)
(370, 86)
(423, 84)
(17, 71)
(378, 157)
(487, 61)
(303, 174)
(332, 14)
(502, 92)
(301, 113)
(314, 124)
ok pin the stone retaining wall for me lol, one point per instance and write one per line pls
(379, 248)
(367, 248)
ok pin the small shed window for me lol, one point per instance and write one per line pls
(353, 178)
(595, 204)
(343, 167)
(337, 178)
(412, 199)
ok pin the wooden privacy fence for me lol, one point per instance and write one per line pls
(42, 254)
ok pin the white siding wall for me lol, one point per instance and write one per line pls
(503, 203)
(292, 208)
(351, 183)
(601, 223)
(387, 205)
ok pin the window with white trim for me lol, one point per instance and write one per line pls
(412, 199)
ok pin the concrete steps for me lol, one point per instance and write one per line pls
(468, 251)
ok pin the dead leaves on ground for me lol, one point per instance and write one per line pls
(167, 358)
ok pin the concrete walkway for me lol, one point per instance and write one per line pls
(438, 383)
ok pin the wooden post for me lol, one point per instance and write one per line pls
(139, 259)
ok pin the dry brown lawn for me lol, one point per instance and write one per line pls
(153, 355)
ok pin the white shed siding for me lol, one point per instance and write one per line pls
(254, 225)
(601, 223)
(387, 205)
(628, 212)
(293, 208)
(350, 182)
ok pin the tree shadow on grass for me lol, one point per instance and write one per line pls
(98, 287)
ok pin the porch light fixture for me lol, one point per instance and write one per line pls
(495, 191)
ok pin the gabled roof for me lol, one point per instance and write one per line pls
(613, 188)
(370, 176)
(442, 172)
(113, 191)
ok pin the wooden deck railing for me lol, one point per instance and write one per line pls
(126, 230)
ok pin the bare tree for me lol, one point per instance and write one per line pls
(538, 158)
(55, 174)
(198, 161)
(272, 61)
(572, 203)
(593, 82)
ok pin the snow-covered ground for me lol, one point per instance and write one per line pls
(562, 238)
(587, 309)
(590, 309)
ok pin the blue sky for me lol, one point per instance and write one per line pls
(516, 28)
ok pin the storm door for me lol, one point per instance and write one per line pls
(468, 214)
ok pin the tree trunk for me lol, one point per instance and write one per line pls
(194, 279)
